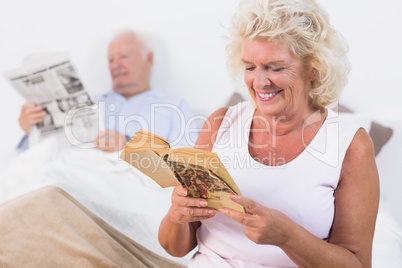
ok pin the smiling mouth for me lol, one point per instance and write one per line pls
(267, 96)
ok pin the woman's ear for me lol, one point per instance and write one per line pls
(313, 74)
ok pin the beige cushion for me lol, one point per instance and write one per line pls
(235, 99)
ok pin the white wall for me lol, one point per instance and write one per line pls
(190, 45)
(373, 31)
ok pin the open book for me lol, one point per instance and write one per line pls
(200, 172)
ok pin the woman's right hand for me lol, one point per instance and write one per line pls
(178, 228)
(187, 209)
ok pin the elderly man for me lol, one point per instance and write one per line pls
(133, 104)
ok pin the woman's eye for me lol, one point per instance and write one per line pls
(278, 69)
(249, 68)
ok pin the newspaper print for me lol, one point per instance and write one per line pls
(53, 83)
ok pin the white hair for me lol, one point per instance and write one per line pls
(304, 25)
(145, 38)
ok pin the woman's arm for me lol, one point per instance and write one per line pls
(178, 228)
(357, 199)
(356, 207)
(351, 235)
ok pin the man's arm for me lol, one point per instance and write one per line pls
(31, 114)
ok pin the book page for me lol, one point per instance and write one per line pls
(145, 140)
(152, 165)
(201, 182)
(206, 159)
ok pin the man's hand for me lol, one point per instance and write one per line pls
(31, 114)
(110, 141)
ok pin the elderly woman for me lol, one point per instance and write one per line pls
(308, 179)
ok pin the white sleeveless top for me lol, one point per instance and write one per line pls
(303, 189)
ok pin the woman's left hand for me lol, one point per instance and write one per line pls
(261, 225)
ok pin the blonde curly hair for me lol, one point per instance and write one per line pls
(304, 25)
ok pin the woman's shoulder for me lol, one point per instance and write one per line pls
(218, 113)
(207, 136)
(361, 145)
(359, 159)
(229, 114)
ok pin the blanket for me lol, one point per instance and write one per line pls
(110, 188)
(49, 228)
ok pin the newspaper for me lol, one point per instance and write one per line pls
(51, 81)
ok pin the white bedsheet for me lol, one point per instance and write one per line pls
(387, 246)
(120, 195)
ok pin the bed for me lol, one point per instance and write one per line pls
(129, 206)
(120, 196)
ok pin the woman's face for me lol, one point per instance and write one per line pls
(275, 77)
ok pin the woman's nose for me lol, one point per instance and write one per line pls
(261, 80)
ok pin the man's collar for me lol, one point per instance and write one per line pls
(140, 95)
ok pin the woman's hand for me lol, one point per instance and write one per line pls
(261, 225)
(187, 209)
(178, 228)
